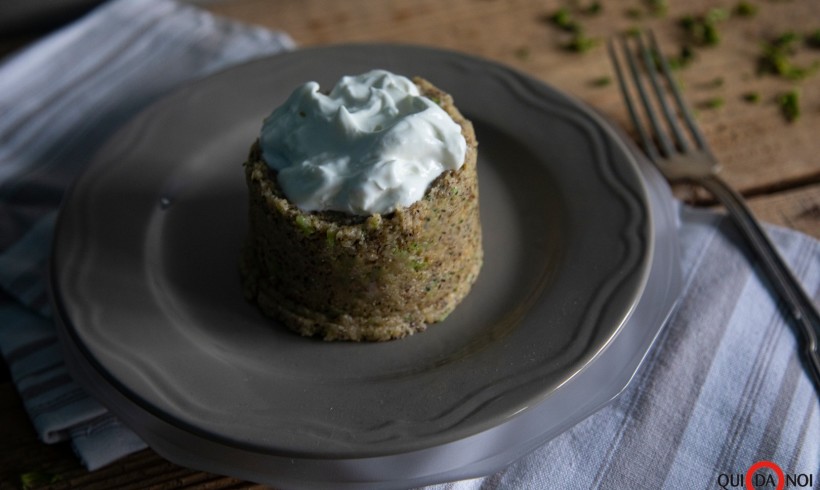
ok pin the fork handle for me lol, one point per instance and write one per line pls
(799, 303)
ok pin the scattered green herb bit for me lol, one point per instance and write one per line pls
(773, 60)
(633, 31)
(330, 238)
(563, 18)
(787, 41)
(711, 37)
(752, 97)
(702, 30)
(33, 479)
(581, 43)
(801, 72)
(603, 81)
(673, 62)
(716, 82)
(304, 225)
(657, 8)
(522, 53)
(716, 15)
(415, 247)
(435, 99)
(374, 222)
(776, 58)
(594, 8)
(813, 39)
(789, 105)
(684, 58)
(745, 9)
(714, 103)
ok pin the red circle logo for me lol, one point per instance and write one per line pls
(781, 479)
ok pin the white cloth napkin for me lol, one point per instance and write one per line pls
(59, 99)
(722, 389)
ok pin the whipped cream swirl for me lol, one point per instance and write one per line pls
(372, 145)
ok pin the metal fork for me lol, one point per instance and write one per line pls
(688, 158)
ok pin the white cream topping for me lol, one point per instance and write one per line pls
(372, 145)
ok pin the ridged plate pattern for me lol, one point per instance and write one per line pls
(146, 282)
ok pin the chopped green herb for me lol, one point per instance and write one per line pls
(33, 479)
(657, 8)
(711, 37)
(673, 62)
(716, 15)
(776, 58)
(716, 82)
(633, 31)
(686, 56)
(702, 30)
(801, 72)
(415, 247)
(374, 222)
(789, 105)
(688, 22)
(581, 43)
(752, 97)
(714, 103)
(603, 81)
(304, 225)
(562, 18)
(594, 8)
(787, 41)
(745, 9)
(418, 265)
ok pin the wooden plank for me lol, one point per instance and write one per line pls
(760, 151)
(798, 209)
(23, 457)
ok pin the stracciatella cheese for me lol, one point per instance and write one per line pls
(372, 145)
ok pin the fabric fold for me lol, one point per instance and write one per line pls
(59, 100)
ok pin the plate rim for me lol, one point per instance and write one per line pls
(307, 52)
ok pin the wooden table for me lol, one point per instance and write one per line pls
(774, 163)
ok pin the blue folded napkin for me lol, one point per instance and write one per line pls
(722, 389)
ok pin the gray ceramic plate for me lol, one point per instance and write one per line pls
(579, 274)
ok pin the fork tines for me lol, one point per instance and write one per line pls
(642, 55)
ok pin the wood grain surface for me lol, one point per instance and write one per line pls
(773, 162)
(762, 154)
